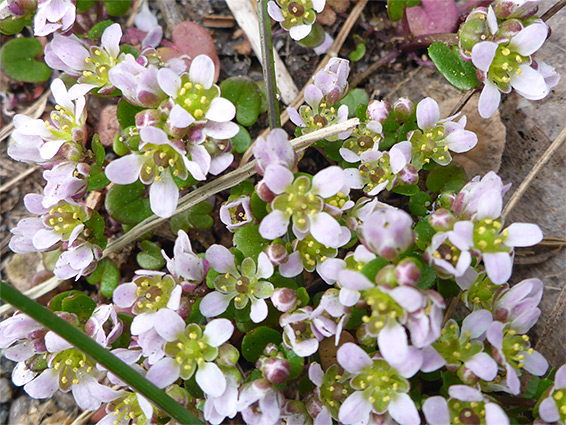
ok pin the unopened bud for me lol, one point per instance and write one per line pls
(270, 350)
(228, 355)
(467, 376)
(445, 200)
(407, 272)
(71, 151)
(510, 28)
(148, 118)
(284, 299)
(506, 9)
(178, 394)
(264, 193)
(386, 276)
(473, 31)
(378, 110)
(277, 253)
(403, 109)
(408, 175)
(442, 220)
(275, 370)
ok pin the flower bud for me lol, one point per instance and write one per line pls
(71, 151)
(386, 276)
(264, 193)
(408, 175)
(277, 253)
(442, 220)
(270, 350)
(284, 299)
(378, 110)
(474, 30)
(407, 272)
(505, 9)
(148, 118)
(228, 355)
(403, 109)
(445, 200)
(510, 28)
(276, 370)
(178, 394)
(467, 376)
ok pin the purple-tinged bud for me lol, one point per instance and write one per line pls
(364, 336)
(284, 299)
(386, 276)
(270, 350)
(510, 28)
(378, 110)
(21, 7)
(148, 118)
(228, 355)
(408, 175)
(407, 272)
(178, 394)
(71, 151)
(403, 109)
(467, 376)
(277, 254)
(264, 193)
(505, 9)
(445, 200)
(274, 369)
(442, 220)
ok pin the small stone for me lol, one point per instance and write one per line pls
(25, 411)
(5, 390)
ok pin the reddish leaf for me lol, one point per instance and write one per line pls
(433, 17)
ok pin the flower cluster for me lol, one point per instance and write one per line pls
(317, 302)
(501, 41)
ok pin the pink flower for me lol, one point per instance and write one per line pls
(388, 233)
(275, 149)
(185, 264)
(552, 407)
(236, 213)
(53, 15)
(260, 403)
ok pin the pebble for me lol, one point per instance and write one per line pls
(5, 390)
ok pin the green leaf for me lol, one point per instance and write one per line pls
(359, 53)
(448, 288)
(100, 354)
(370, 269)
(244, 188)
(97, 225)
(244, 94)
(303, 296)
(258, 206)
(96, 31)
(254, 342)
(449, 178)
(17, 61)
(84, 5)
(125, 339)
(77, 303)
(241, 141)
(428, 277)
(424, 232)
(107, 274)
(457, 71)
(12, 26)
(296, 362)
(126, 113)
(97, 179)
(355, 98)
(125, 204)
(98, 149)
(407, 190)
(117, 7)
(396, 8)
(248, 240)
(419, 204)
(150, 257)
(279, 281)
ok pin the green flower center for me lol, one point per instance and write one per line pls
(377, 172)
(99, 63)
(297, 12)
(488, 236)
(430, 145)
(560, 400)
(195, 98)
(448, 252)
(153, 292)
(67, 363)
(299, 202)
(128, 407)
(160, 158)
(380, 384)
(65, 217)
(62, 124)
(482, 292)
(383, 308)
(513, 345)
(334, 390)
(362, 140)
(454, 348)
(313, 252)
(190, 350)
(505, 65)
(320, 117)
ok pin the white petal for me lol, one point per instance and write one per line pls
(328, 182)
(202, 71)
(299, 32)
(221, 110)
(125, 170)
(218, 331)
(529, 39)
(258, 311)
(210, 379)
(168, 324)
(164, 195)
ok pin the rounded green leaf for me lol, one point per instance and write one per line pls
(244, 94)
(355, 98)
(254, 342)
(150, 257)
(125, 204)
(449, 178)
(117, 7)
(419, 204)
(241, 141)
(17, 61)
(126, 112)
(248, 240)
(96, 31)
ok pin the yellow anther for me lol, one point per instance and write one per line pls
(193, 335)
(188, 102)
(505, 51)
(188, 85)
(518, 59)
(525, 337)
(64, 380)
(97, 52)
(558, 395)
(505, 66)
(482, 244)
(183, 91)
(456, 354)
(203, 100)
(198, 113)
(386, 399)
(481, 230)
(87, 73)
(505, 79)
(75, 381)
(518, 71)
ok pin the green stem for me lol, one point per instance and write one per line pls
(98, 353)
(268, 64)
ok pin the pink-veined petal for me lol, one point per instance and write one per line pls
(202, 71)
(210, 379)
(218, 331)
(125, 170)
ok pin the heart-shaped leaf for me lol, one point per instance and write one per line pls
(457, 71)
(125, 204)
(449, 178)
(244, 94)
(17, 60)
(248, 240)
(241, 141)
(150, 257)
(117, 7)
(254, 342)
(107, 274)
